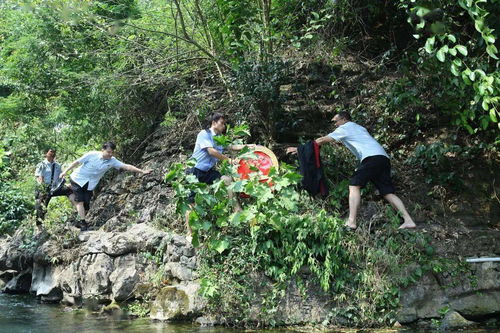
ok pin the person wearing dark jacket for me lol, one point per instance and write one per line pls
(311, 169)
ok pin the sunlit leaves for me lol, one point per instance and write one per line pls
(462, 49)
(466, 58)
(441, 53)
(219, 245)
(429, 44)
(492, 51)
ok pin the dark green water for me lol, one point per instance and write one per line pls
(22, 314)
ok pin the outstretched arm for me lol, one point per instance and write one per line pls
(132, 168)
(72, 165)
(215, 153)
(319, 141)
(324, 139)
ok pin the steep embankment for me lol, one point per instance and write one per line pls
(139, 251)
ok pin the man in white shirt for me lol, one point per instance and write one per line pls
(47, 173)
(374, 166)
(91, 167)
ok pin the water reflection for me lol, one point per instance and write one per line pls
(22, 314)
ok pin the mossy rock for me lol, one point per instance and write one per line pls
(170, 303)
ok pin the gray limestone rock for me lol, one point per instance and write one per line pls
(124, 278)
(478, 304)
(45, 283)
(140, 237)
(421, 301)
(19, 284)
(15, 256)
(7, 275)
(453, 320)
(206, 321)
(179, 271)
(93, 275)
(175, 302)
(475, 297)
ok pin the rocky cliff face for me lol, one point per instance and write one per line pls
(104, 267)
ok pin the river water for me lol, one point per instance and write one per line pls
(23, 314)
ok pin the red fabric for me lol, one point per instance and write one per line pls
(316, 153)
(322, 187)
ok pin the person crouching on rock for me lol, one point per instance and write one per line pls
(207, 153)
(91, 167)
(47, 174)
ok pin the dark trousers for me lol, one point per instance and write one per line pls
(42, 199)
(207, 177)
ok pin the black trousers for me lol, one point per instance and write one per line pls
(42, 199)
(207, 177)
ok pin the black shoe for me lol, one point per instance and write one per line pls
(84, 226)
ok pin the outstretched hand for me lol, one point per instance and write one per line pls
(291, 150)
(233, 161)
(145, 172)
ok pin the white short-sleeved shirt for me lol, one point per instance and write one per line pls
(204, 140)
(357, 139)
(44, 169)
(92, 168)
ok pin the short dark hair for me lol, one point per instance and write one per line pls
(108, 145)
(345, 115)
(214, 117)
(51, 150)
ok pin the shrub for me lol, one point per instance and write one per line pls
(14, 206)
(250, 257)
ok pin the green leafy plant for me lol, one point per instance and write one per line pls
(316, 23)
(280, 233)
(466, 48)
(435, 159)
(259, 83)
(138, 308)
(14, 206)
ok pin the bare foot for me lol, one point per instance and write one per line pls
(408, 225)
(350, 225)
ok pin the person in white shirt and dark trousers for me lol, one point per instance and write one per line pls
(374, 166)
(90, 169)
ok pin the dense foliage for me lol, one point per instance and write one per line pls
(14, 205)
(461, 36)
(284, 236)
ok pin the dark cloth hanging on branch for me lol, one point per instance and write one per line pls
(311, 169)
